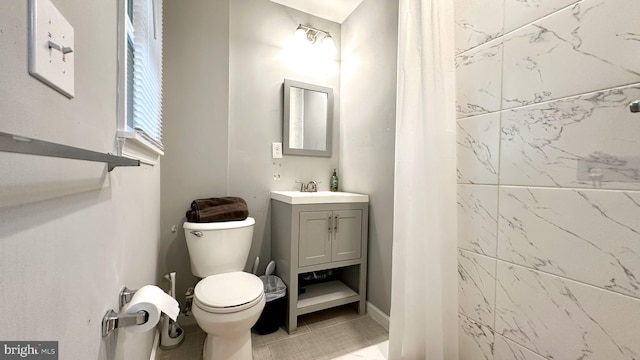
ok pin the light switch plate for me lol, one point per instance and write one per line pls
(276, 150)
(51, 47)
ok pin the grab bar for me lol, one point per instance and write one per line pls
(24, 145)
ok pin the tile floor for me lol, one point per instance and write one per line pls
(322, 335)
(374, 352)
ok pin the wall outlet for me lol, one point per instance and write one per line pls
(276, 150)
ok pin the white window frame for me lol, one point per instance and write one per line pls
(131, 143)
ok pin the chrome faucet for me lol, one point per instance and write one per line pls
(311, 186)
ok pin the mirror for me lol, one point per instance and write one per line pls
(308, 114)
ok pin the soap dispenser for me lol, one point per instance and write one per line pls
(334, 181)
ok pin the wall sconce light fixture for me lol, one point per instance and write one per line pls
(313, 35)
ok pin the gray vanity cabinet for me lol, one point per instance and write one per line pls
(313, 237)
(327, 236)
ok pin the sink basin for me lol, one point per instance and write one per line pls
(320, 197)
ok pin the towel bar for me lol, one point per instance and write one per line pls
(24, 145)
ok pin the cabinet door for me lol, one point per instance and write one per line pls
(314, 245)
(347, 235)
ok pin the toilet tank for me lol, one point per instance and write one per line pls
(218, 247)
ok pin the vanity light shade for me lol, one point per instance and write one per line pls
(308, 35)
(328, 44)
(300, 34)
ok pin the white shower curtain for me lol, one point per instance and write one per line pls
(424, 284)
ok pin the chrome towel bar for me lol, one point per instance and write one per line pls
(24, 145)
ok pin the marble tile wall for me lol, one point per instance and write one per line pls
(548, 179)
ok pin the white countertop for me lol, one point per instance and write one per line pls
(320, 197)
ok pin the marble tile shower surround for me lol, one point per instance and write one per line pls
(478, 218)
(601, 39)
(561, 319)
(505, 349)
(478, 140)
(590, 236)
(528, 72)
(475, 341)
(480, 342)
(475, 22)
(543, 90)
(522, 12)
(479, 80)
(544, 144)
(570, 232)
(476, 287)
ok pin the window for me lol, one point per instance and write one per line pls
(140, 79)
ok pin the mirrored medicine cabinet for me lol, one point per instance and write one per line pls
(307, 119)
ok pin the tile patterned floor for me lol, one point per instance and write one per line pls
(322, 335)
(373, 352)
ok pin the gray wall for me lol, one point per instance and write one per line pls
(225, 63)
(367, 135)
(549, 260)
(261, 57)
(71, 234)
(196, 125)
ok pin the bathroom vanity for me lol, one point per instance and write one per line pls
(316, 231)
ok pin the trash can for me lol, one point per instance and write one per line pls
(273, 314)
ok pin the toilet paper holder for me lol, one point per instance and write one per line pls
(125, 296)
(112, 320)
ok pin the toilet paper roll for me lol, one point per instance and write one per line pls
(153, 300)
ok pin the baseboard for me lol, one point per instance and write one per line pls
(378, 316)
(154, 347)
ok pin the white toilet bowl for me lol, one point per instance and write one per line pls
(227, 301)
(226, 306)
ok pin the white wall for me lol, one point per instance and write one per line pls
(367, 138)
(71, 234)
(549, 260)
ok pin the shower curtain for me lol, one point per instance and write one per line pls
(424, 319)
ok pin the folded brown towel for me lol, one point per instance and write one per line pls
(218, 209)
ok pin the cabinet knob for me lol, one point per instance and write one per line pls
(335, 223)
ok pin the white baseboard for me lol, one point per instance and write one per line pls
(154, 347)
(378, 316)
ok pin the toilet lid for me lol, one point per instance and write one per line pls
(228, 292)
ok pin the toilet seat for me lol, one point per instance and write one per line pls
(228, 292)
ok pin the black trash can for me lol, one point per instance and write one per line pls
(275, 307)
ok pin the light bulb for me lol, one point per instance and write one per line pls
(328, 44)
(300, 34)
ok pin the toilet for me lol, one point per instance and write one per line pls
(227, 301)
